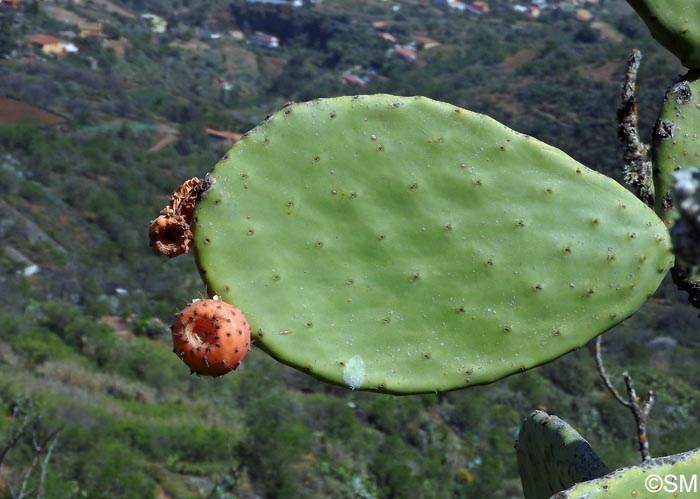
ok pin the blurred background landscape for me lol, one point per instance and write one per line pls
(106, 106)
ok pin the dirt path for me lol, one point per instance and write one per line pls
(109, 6)
(118, 325)
(163, 141)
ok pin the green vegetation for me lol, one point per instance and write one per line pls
(85, 337)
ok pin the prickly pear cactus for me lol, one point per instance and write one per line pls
(405, 245)
(676, 140)
(676, 147)
(675, 24)
(552, 456)
(672, 476)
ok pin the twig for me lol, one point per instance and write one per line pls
(638, 168)
(39, 444)
(23, 490)
(45, 465)
(13, 440)
(640, 410)
(19, 411)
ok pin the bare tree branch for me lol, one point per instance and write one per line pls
(23, 490)
(640, 410)
(17, 433)
(45, 464)
(604, 375)
(30, 430)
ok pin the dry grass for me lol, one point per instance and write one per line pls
(63, 15)
(119, 46)
(94, 384)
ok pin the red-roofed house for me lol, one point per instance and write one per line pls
(533, 12)
(11, 3)
(407, 53)
(261, 39)
(352, 78)
(425, 42)
(481, 7)
(43, 40)
(453, 4)
(52, 45)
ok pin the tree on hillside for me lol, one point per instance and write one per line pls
(7, 35)
(31, 8)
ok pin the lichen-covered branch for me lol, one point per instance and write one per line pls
(640, 410)
(638, 167)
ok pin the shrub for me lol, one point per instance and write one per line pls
(113, 470)
(38, 345)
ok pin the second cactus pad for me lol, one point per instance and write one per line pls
(406, 245)
(552, 456)
(676, 140)
(675, 24)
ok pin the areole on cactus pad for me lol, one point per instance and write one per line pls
(405, 245)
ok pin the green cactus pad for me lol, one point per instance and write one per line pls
(552, 456)
(675, 24)
(664, 477)
(676, 142)
(405, 245)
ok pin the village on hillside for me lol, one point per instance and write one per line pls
(78, 33)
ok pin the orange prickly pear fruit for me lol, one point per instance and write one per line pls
(211, 336)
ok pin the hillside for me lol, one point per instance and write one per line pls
(131, 97)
